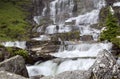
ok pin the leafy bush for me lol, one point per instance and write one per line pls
(16, 51)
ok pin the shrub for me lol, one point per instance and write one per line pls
(112, 30)
(16, 51)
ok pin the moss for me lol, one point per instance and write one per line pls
(13, 24)
(16, 51)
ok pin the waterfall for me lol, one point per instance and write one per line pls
(74, 56)
(59, 8)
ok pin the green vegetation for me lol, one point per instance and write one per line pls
(13, 24)
(112, 30)
(16, 51)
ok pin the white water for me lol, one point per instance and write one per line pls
(58, 8)
(42, 38)
(52, 68)
(19, 44)
(82, 50)
(51, 29)
(116, 4)
(37, 19)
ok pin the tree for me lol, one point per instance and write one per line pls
(112, 27)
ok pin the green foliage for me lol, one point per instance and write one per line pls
(12, 21)
(23, 53)
(116, 41)
(14, 51)
(112, 30)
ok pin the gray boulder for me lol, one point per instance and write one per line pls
(14, 65)
(8, 75)
(105, 66)
(71, 75)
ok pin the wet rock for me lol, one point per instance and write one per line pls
(15, 65)
(71, 75)
(110, 2)
(34, 43)
(40, 50)
(36, 77)
(70, 23)
(118, 60)
(86, 38)
(115, 50)
(96, 26)
(8, 75)
(84, 6)
(105, 66)
(69, 36)
(117, 13)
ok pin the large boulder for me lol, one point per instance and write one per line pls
(71, 75)
(15, 65)
(105, 66)
(8, 75)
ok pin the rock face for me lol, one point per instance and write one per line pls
(84, 6)
(105, 67)
(8, 75)
(86, 38)
(15, 65)
(72, 75)
(69, 36)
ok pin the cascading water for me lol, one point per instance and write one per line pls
(82, 50)
(61, 12)
(60, 8)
